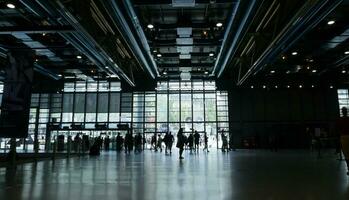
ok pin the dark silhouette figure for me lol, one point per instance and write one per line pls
(138, 143)
(154, 142)
(206, 142)
(343, 127)
(128, 142)
(224, 142)
(106, 143)
(196, 140)
(191, 142)
(180, 142)
(159, 142)
(76, 142)
(119, 142)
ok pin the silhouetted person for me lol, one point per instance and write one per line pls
(343, 127)
(153, 142)
(191, 142)
(106, 143)
(180, 142)
(196, 140)
(205, 142)
(170, 142)
(224, 142)
(76, 142)
(159, 142)
(128, 142)
(138, 143)
(119, 142)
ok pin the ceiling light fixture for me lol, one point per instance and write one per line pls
(251, 86)
(10, 5)
(331, 22)
(78, 57)
(314, 71)
(283, 57)
(343, 71)
(272, 71)
(300, 86)
(60, 75)
(288, 86)
(219, 24)
(312, 86)
(211, 54)
(150, 26)
(264, 86)
(206, 72)
(276, 86)
(294, 53)
(164, 73)
(331, 86)
(158, 55)
(346, 52)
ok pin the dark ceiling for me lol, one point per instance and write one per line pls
(241, 42)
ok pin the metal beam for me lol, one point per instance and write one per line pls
(304, 20)
(205, 65)
(169, 2)
(34, 29)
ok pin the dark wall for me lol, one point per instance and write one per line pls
(258, 114)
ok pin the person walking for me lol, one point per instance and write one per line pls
(128, 143)
(343, 127)
(206, 142)
(138, 143)
(191, 142)
(197, 141)
(119, 142)
(106, 143)
(159, 144)
(170, 142)
(180, 143)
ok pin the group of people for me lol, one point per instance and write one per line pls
(157, 140)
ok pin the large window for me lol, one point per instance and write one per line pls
(343, 99)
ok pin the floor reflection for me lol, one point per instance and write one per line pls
(216, 175)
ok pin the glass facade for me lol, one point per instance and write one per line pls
(343, 99)
(192, 105)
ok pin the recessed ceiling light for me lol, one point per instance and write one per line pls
(150, 26)
(343, 71)
(331, 22)
(272, 71)
(164, 73)
(36, 60)
(154, 51)
(211, 54)
(294, 53)
(251, 86)
(308, 67)
(78, 57)
(288, 71)
(283, 57)
(346, 52)
(43, 34)
(276, 86)
(288, 86)
(106, 67)
(206, 72)
(60, 75)
(219, 24)
(314, 71)
(312, 86)
(158, 55)
(300, 86)
(331, 86)
(264, 86)
(10, 5)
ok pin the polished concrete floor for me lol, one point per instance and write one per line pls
(244, 174)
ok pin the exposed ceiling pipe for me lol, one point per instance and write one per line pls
(119, 19)
(76, 40)
(227, 32)
(37, 67)
(141, 35)
(89, 41)
(292, 32)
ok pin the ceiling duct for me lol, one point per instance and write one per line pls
(183, 3)
(184, 42)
